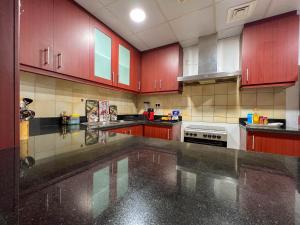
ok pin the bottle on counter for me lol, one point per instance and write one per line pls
(255, 118)
(249, 118)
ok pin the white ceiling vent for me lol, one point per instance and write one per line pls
(240, 12)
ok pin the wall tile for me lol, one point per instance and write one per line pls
(196, 90)
(197, 118)
(279, 98)
(197, 100)
(232, 88)
(208, 89)
(208, 119)
(248, 99)
(220, 111)
(221, 100)
(208, 111)
(44, 108)
(197, 110)
(221, 89)
(233, 99)
(63, 107)
(220, 119)
(208, 100)
(265, 98)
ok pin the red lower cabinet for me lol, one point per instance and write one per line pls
(133, 130)
(284, 144)
(158, 132)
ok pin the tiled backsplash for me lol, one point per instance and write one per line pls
(222, 102)
(208, 103)
(52, 96)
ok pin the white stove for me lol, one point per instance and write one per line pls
(209, 135)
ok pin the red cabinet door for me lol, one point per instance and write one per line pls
(71, 39)
(270, 51)
(97, 26)
(168, 67)
(148, 72)
(36, 33)
(136, 68)
(274, 143)
(137, 130)
(158, 132)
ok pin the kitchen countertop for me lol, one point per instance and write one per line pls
(126, 123)
(108, 178)
(285, 130)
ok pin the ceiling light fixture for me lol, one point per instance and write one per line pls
(137, 15)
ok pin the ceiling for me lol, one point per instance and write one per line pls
(168, 21)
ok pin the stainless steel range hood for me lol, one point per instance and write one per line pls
(217, 60)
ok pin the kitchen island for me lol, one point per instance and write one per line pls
(124, 179)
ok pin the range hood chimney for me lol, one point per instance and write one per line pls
(217, 60)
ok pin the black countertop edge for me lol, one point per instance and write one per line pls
(40, 126)
(282, 130)
(41, 130)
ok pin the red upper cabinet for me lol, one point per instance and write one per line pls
(160, 69)
(36, 33)
(103, 54)
(71, 39)
(148, 71)
(270, 51)
(135, 73)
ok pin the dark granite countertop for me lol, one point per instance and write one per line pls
(282, 130)
(98, 177)
(127, 123)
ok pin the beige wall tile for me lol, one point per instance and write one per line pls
(279, 112)
(221, 89)
(234, 99)
(208, 119)
(196, 90)
(232, 120)
(79, 108)
(197, 118)
(233, 111)
(279, 98)
(208, 111)
(197, 111)
(63, 107)
(44, 108)
(208, 89)
(232, 88)
(245, 110)
(208, 100)
(265, 90)
(221, 100)
(264, 99)
(220, 111)
(197, 100)
(248, 99)
(220, 119)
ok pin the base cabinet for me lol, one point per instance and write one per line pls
(284, 144)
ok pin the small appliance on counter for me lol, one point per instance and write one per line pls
(149, 114)
(175, 114)
(113, 111)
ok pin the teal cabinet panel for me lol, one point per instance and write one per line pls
(102, 51)
(124, 65)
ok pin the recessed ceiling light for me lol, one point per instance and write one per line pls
(137, 15)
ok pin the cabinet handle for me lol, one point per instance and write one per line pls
(160, 84)
(113, 77)
(139, 86)
(168, 134)
(59, 56)
(155, 84)
(130, 132)
(253, 141)
(247, 75)
(47, 56)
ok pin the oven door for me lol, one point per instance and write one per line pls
(205, 141)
